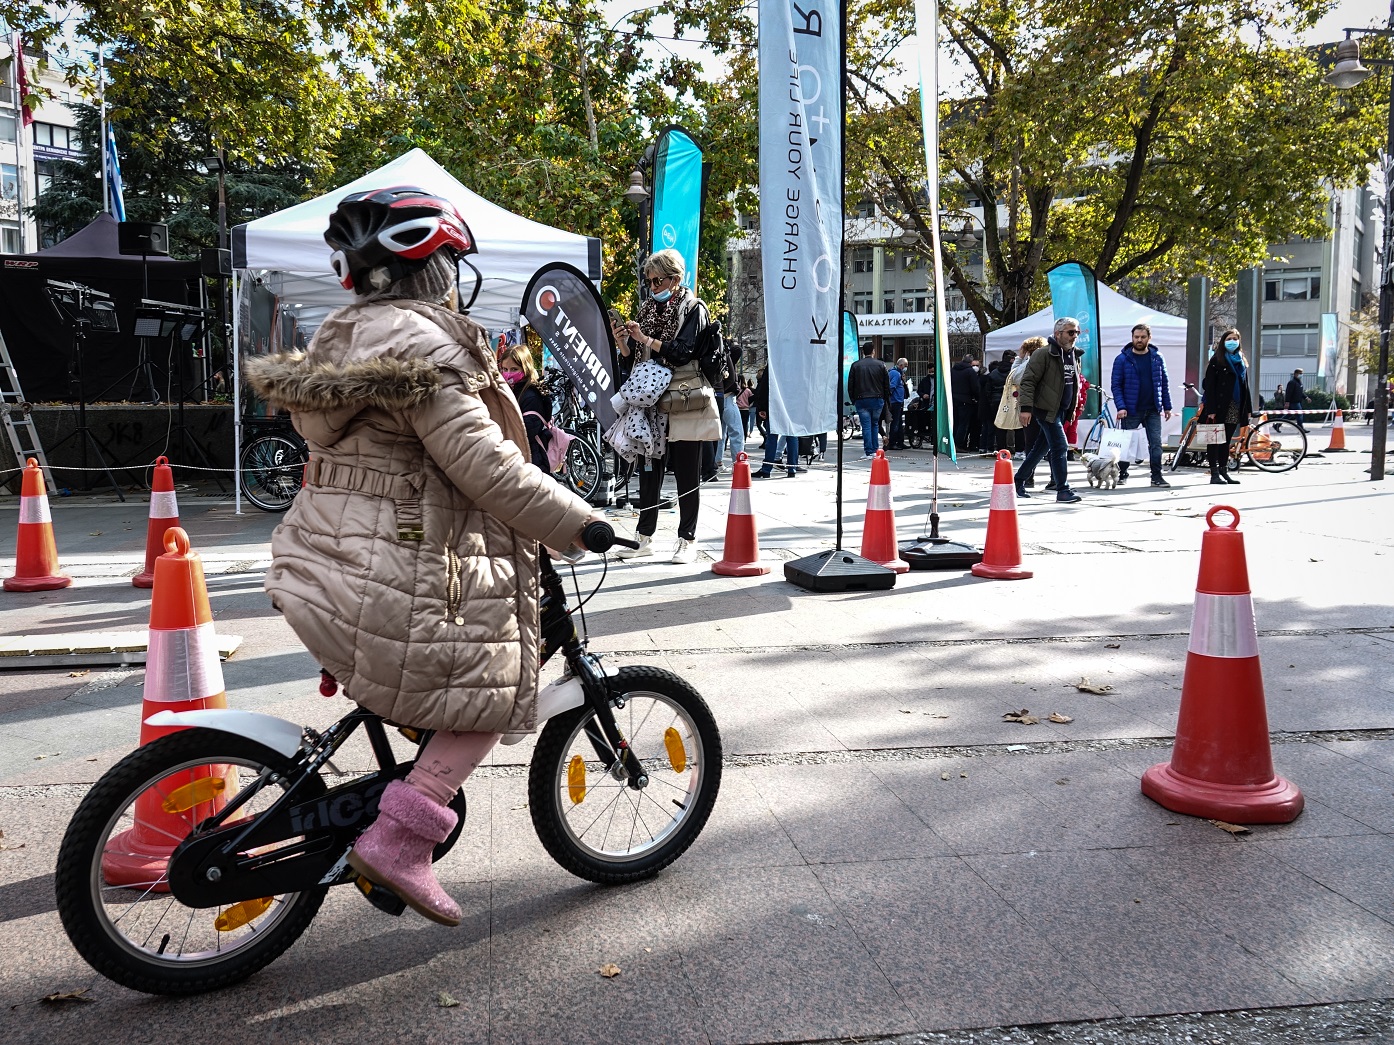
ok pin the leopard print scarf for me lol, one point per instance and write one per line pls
(663, 320)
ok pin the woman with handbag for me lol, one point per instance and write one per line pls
(1225, 392)
(672, 329)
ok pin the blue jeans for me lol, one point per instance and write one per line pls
(869, 413)
(1151, 422)
(777, 446)
(733, 423)
(1050, 444)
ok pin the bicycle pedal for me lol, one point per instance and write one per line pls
(381, 897)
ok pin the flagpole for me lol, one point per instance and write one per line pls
(101, 90)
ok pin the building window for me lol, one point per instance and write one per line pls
(52, 136)
(866, 209)
(7, 128)
(911, 262)
(954, 301)
(888, 305)
(1358, 246)
(9, 239)
(1292, 286)
(861, 259)
(1290, 339)
(9, 181)
(861, 302)
(918, 303)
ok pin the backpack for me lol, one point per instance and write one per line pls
(558, 445)
(712, 357)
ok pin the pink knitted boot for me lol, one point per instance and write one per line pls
(396, 851)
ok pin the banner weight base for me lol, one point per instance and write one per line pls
(939, 553)
(836, 570)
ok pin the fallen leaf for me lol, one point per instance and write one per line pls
(648, 950)
(963, 776)
(1172, 823)
(609, 970)
(1023, 716)
(906, 711)
(943, 776)
(1111, 645)
(1136, 900)
(1292, 665)
(1055, 716)
(936, 716)
(78, 995)
(78, 674)
(1233, 829)
(94, 533)
(1314, 560)
(40, 758)
(1063, 781)
(445, 1001)
(1085, 686)
(89, 760)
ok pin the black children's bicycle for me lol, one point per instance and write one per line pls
(260, 822)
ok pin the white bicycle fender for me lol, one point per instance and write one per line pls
(276, 733)
(552, 700)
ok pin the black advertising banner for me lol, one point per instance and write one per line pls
(565, 309)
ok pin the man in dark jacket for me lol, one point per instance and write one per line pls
(869, 388)
(1294, 394)
(1142, 397)
(1050, 393)
(966, 387)
(899, 393)
(993, 383)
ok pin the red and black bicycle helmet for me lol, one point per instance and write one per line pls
(393, 229)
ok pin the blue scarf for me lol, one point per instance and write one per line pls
(1236, 363)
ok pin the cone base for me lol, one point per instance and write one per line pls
(1276, 802)
(739, 569)
(1338, 450)
(1001, 573)
(144, 580)
(50, 583)
(896, 565)
(930, 553)
(134, 864)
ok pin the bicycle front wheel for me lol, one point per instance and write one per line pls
(1091, 441)
(582, 470)
(1183, 448)
(112, 879)
(1276, 445)
(273, 470)
(584, 811)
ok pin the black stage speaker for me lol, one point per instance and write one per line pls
(217, 262)
(144, 238)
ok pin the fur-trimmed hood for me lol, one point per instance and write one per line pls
(292, 380)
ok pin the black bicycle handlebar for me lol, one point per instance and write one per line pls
(600, 536)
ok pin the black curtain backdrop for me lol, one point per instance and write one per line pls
(41, 345)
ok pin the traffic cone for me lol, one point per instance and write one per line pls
(878, 528)
(1338, 435)
(741, 555)
(164, 513)
(1002, 551)
(182, 673)
(1221, 765)
(36, 553)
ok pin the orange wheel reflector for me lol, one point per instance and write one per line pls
(677, 754)
(191, 794)
(239, 914)
(576, 779)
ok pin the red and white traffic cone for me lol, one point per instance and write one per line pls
(164, 513)
(1338, 436)
(36, 552)
(1221, 764)
(1002, 550)
(182, 673)
(741, 555)
(878, 527)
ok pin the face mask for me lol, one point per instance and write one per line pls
(663, 295)
(514, 377)
(1231, 346)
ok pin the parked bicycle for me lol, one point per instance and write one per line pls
(1271, 444)
(273, 463)
(623, 778)
(584, 469)
(1094, 437)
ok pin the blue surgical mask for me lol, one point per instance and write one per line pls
(1231, 346)
(663, 295)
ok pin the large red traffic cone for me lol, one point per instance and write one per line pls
(1002, 551)
(36, 552)
(1338, 435)
(741, 555)
(164, 513)
(1221, 765)
(182, 673)
(878, 527)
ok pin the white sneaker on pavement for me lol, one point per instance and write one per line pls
(645, 549)
(685, 551)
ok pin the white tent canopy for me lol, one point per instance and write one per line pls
(1117, 314)
(287, 249)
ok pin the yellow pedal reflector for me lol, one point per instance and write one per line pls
(576, 779)
(239, 914)
(193, 793)
(677, 754)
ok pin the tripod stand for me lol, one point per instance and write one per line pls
(82, 433)
(144, 370)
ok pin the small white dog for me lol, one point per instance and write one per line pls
(1103, 468)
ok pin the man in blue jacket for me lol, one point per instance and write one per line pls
(1142, 397)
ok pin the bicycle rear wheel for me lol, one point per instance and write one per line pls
(1276, 445)
(1092, 440)
(273, 470)
(582, 470)
(1182, 448)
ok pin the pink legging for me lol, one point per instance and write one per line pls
(447, 761)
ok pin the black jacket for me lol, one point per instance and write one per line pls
(1294, 392)
(1217, 389)
(964, 381)
(868, 379)
(532, 401)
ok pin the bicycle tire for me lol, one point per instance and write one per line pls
(551, 799)
(273, 470)
(1187, 434)
(1094, 437)
(79, 881)
(582, 471)
(1276, 445)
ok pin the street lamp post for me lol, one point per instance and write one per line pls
(1348, 72)
(638, 194)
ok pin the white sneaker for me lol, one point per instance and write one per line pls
(645, 548)
(685, 551)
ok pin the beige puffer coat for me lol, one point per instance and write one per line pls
(408, 563)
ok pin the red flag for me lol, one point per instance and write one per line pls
(22, 77)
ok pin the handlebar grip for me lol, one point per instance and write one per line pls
(600, 536)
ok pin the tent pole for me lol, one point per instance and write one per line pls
(236, 393)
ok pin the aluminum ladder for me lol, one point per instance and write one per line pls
(17, 413)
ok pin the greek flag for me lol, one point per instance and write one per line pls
(116, 202)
